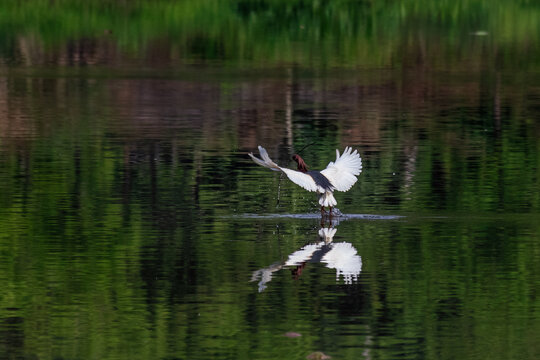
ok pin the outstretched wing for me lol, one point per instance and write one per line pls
(343, 172)
(297, 177)
(301, 179)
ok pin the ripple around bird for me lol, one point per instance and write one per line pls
(318, 215)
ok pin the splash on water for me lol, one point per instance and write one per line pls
(318, 216)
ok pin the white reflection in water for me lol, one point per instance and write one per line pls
(341, 256)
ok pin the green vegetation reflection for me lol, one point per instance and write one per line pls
(305, 32)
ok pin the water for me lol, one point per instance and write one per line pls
(135, 226)
(125, 234)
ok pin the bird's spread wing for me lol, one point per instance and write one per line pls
(297, 177)
(301, 179)
(343, 172)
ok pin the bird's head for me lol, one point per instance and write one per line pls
(301, 163)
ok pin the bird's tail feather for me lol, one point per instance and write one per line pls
(266, 161)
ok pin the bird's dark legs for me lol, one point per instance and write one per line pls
(329, 210)
(324, 215)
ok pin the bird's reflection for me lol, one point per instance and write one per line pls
(341, 256)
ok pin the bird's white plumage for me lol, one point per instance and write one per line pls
(342, 173)
(327, 199)
(299, 178)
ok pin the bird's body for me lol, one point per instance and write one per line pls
(320, 180)
(339, 175)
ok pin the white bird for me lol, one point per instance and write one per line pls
(339, 175)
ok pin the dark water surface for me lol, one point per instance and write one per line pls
(135, 226)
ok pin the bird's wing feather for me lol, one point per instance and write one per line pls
(301, 179)
(343, 172)
(266, 161)
(297, 177)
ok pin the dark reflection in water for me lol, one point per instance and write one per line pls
(124, 234)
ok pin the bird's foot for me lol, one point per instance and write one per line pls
(331, 216)
(331, 212)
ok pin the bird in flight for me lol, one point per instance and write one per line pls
(339, 175)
